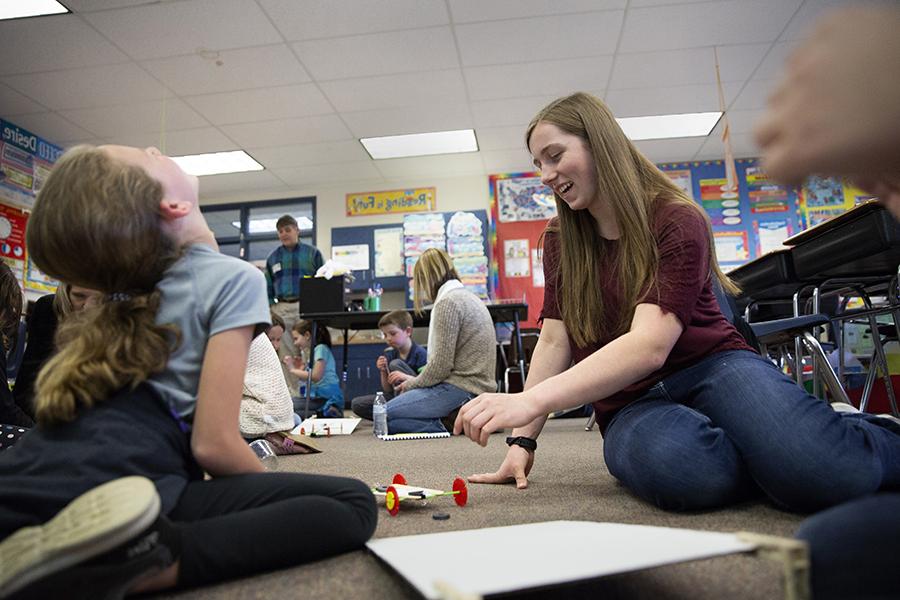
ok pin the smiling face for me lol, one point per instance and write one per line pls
(566, 165)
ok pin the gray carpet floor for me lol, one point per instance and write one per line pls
(569, 481)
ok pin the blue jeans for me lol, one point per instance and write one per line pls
(731, 425)
(420, 410)
(853, 549)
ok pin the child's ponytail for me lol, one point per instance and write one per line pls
(102, 350)
(97, 224)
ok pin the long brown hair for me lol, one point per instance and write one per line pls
(433, 269)
(96, 224)
(633, 186)
(11, 307)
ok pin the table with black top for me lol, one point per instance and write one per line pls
(346, 320)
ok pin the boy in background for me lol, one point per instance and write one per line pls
(400, 362)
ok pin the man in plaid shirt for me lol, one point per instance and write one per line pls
(285, 266)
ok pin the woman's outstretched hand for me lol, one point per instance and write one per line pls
(480, 417)
(514, 469)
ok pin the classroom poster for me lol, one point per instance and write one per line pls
(524, 198)
(392, 201)
(25, 161)
(731, 246)
(682, 178)
(770, 234)
(765, 195)
(388, 252)
(516, 255)
(722, 205)
(537, 267)
(465, 245)
(354, 256)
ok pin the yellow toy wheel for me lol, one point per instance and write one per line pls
(392, 501)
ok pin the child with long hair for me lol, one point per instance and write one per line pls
(462, 356)
(147, 388)
(10, 315)
(325, 396)
(692, 417)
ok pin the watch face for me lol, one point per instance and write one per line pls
(5, 228)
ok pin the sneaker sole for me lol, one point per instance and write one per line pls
(97, 521)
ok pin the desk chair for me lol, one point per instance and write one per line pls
(529, 342)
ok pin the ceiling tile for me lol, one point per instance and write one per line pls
(446, 165)
(419, 119)
(742, 145)
(138, 117)
(185, 27)
(537, 78)
(53, 43)
(468, 11)
(739, 121)
(755, 95)
(544, 38)
(671, 150)
(13, 103)
(301, 155)
(332, 173)
(264, 104)
(90, 87)
(643, 3)
(181, 142)
(283, 132)
(773, 64)
(501, 138)
(638, 102)
(52, 127)
(707, 24)
(802, 25)
(393, 91)
(253, 182)
(514, 111)
(242, 69)
(378, 53)
(82, 6)
(685, 67)
(311, 19)
(507, 161)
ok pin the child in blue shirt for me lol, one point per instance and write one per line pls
(402, 360)
(325, 396)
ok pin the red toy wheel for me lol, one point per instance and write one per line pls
(399, 479)
(462, 493)
(392, 501)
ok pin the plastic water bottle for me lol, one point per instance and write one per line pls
(379, 414)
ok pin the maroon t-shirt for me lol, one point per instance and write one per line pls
(682, 287)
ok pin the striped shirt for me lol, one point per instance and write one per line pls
(285, 268)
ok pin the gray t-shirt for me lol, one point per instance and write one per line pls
(204, 293)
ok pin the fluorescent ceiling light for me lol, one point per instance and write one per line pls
(16, 9)
(669, 126)
(216, 163)
(421, 144)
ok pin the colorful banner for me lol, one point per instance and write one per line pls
(25, 161)
(392, 201)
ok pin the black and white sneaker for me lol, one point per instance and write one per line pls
(96, 547)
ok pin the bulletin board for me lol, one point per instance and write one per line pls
(382, 243)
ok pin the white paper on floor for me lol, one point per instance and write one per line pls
(519, 557)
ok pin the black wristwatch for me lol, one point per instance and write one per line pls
(524, 442)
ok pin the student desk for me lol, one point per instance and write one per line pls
(347, 320)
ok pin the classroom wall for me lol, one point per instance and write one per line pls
(453, 193)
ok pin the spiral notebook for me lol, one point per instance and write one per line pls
(391, 437)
